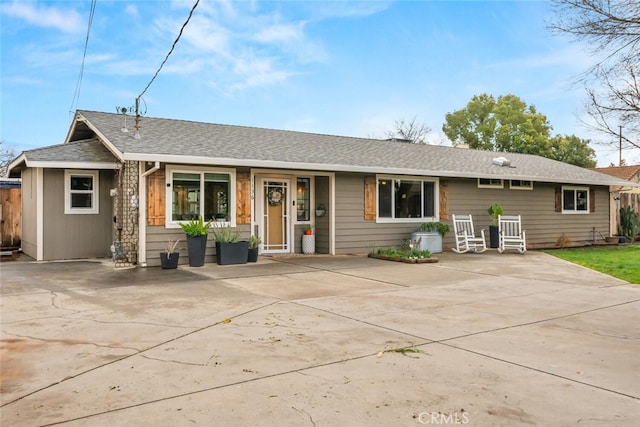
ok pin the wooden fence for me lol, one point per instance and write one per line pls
(11, 217)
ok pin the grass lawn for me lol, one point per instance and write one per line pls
(622, 262)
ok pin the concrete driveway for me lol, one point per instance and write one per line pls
(481, 340)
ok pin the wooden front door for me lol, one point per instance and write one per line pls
(275, 208)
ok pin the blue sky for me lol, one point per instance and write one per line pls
(335, 67)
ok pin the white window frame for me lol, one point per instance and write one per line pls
(497, 185)
(422, 179)
(575, 211)
(171, 169)
(520, 187)
(95, 194)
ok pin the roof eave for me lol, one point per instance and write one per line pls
(324, 167)
(15, 164)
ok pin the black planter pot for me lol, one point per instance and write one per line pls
(169, 262)
(197, 246)
(253, 255)
(494, 236)
(232, 253)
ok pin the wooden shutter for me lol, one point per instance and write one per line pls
(370, 198)
(592, 199)
(444, 200)
(558, 198)
(156, 198)
(243, 198)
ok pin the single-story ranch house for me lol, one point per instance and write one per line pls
(109, 191)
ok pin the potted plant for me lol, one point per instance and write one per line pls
(196, 231)
(428, 237)
(308, 240)
(169, 258)
(254, 246)
(229, 248)
(495, 210)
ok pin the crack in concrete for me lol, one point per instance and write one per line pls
(178, 362)
(302, 411)
(71, 342)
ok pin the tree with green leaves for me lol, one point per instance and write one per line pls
(505, 124)
(573, 150)
(508, 124)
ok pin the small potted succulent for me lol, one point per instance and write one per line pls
(169, 258)
(229, 248)
(254, 247)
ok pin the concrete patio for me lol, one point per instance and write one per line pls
(319, 341)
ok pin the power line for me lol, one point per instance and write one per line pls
(76, 94)
(171, 50)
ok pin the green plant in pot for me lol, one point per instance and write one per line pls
(229, 248)
(428, 236)
(170, 257)
(196, 231)
(254, 247)
(495, 210)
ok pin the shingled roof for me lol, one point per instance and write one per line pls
(90, 153)
(623, 172)
(181, 141)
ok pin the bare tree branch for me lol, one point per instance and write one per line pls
(410, 131)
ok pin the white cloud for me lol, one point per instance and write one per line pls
(207, 35)
(66, 20)
(280, 33)
(132, 9)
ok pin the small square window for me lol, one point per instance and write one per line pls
(81, 192)
(575, 200)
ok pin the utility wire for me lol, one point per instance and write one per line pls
(76, 94)
(171, 50)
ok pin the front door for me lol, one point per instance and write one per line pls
(275, 226)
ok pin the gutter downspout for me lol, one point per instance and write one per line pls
(142, 214)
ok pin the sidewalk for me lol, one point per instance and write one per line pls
(477, 339)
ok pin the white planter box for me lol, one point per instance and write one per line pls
(308, 243)
(431, 241)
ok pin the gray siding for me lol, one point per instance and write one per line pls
(29, 212)
(543, 225)
(322, 223)
(76, 236)
(353, 233)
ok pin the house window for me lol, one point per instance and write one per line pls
(517, 184)
(303, 199)
(490, 183)
(409, 199)
(575, 200)
(209, 193)
(81, 192)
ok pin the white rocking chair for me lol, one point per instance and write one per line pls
(511, 234)
(466, 239)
